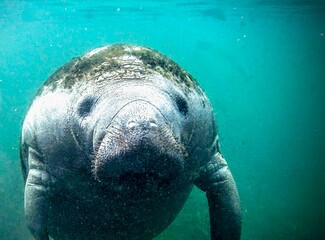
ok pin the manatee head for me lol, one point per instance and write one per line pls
(134, 115)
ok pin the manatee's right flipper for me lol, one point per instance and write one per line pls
(37, 193)
(223, 199)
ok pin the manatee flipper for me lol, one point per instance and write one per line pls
(223, 199)
(37, 198)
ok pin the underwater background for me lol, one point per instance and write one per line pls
(261, 62)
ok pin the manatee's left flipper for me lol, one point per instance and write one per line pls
(223, 199)
(37, 194)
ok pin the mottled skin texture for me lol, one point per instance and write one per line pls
(112, 145)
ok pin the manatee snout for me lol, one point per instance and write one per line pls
(139, 147)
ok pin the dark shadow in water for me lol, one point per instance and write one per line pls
(215, 13)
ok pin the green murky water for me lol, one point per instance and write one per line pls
(262, 63)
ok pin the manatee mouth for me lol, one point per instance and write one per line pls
(141, 183)
(141, 179)
(145, 165)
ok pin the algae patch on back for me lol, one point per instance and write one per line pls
(118, 62)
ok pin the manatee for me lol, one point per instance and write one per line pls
(112, 145)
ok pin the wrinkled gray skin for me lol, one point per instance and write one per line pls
(112, 145)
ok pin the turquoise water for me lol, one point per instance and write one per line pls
(262, 63)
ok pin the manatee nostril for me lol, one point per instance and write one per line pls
(153, 123)
(132, 124)
(145, 124)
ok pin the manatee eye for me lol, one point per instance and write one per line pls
(85, 106)
(181, 105)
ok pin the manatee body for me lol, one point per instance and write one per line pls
(112, 145)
